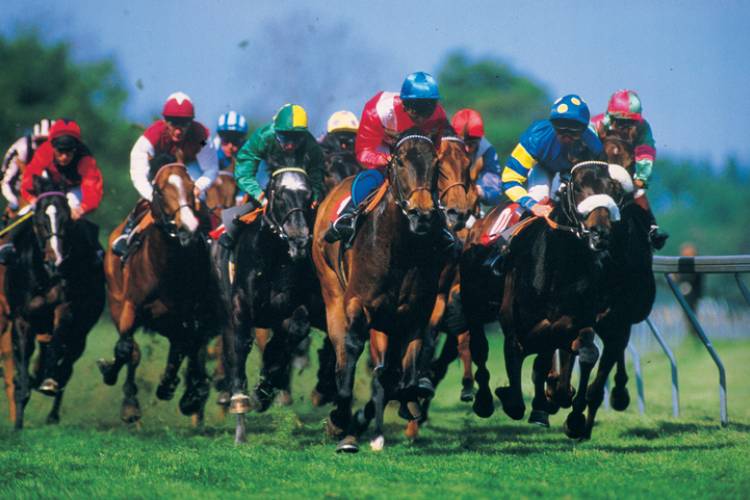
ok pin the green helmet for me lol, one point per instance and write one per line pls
(290, 118)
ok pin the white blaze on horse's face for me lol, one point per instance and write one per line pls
(186, 215)
(293, 182)
(54, 241)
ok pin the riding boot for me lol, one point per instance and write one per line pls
(656, 236)
(121, 243)
(230, 219)
(342, 229)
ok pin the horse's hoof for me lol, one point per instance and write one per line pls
(403, 411)
(165, 391)
(191, 403)
(348, 445)
(412, 430)
(425, 388)
(360, 423)
(467, 394)
(552, 407)
(619, 398)
(105, 367)
(377, 444)
(512, 406)
(49, 387)
(196, 419)
(483, 405)
(223, 399)
(575, 426)
(539, 417)
(53, 419)
(262, 398)
(317, 399)
(130, 412)
(239, 404)
(333, 430)
(284, 398)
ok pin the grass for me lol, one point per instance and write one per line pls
(92, 454)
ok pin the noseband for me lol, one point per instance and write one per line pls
(401, 200)
(277, 227)
(568, 204)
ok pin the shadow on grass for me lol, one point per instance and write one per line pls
(667, 429)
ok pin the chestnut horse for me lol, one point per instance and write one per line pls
(55, 292)
(549, 289)
(387, 281)
(170, 286)
(221, 194)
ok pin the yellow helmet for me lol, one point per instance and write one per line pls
(343, 121)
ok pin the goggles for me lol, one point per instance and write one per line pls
(421, 107)
(179, 122)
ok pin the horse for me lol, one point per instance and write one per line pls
(548, 291)
(55, 292)
(221, 194)
(387, 281)
(272, 283)
(338, 166)
(167, 285)
(458, 200)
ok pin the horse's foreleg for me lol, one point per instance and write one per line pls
(131, 409)
(512, 396)
(237, 344)
(325, 388)
(124, 347)
(595, 392)
(588, 354)
(6, 354)
(619, 398)
(23, 348)
(464, 352)
(411, 389)
(378, 347)
(540, 405)
(559, 390)
(169, 379)
(483, 405)
(194, 398)
(54, 415)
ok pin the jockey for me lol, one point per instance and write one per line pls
(180, 136)
(384, 118)
(469, 126)
(17, 157)
(623, 119)
(341, 131)
(285, 141)
(547, 148)
(231, 134)
(64, 158)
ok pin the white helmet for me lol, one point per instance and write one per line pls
(41, 129)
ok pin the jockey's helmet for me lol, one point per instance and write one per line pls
(65, 134)
(343, 121)
(625, 104)
(40, 132)
(570, 108)
(419, 85)
(289, 125)
(178, 105)
(468, 123)
(232, 122)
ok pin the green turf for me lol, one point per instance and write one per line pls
(458, 455)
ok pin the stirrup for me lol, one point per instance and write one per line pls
(342, 229)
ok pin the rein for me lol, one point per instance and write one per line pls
(275, 226)
(165, 219)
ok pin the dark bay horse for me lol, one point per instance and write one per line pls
(387, 281)
(271, 288)
(550, 290)
(169, 286)
(55, 290)
(338, 166)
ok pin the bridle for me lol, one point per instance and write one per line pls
(277, 227)
(53, 231)
(402, 200)
(165, 219)
(462, 184)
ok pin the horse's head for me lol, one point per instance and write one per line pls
(338, 166)
(173, 205)
(456, 194)
(588, 200)
(619, 150)
(50, 222)
(288, 214)
(413, 175)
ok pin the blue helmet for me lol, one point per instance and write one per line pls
(570, 107)
(419, 85)
(232, 122)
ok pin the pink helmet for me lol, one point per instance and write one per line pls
(64, 126)
(625, 104)
(468, 123)
(178, 105)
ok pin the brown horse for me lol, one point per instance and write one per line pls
(221, 194)
(388, 282)
(167, 285)
(458, 199)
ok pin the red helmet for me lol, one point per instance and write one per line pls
(64, 126)
(625, 104)
(178, 105)
(468, 123)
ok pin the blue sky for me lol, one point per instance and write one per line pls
(686, 58)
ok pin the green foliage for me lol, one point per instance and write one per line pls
(46, 82)
(458, 455)
(508, 102)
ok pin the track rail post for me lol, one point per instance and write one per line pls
(673, 364)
